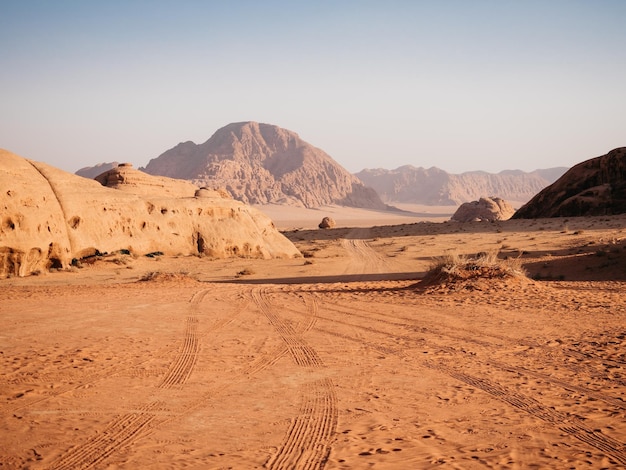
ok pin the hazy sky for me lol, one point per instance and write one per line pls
(461, 85)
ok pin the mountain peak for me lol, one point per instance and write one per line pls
(262, 163)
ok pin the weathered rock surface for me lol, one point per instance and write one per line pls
(50, 217)
(487, 209)
(263, 164)
(593, 187)
(327, 222)
(432, 186)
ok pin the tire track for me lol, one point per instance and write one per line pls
(306, 443)
(344, 310)
(127, 428)
(565, 422)
(363, 259)
(302, 354)
(182, 366)
(119, 433)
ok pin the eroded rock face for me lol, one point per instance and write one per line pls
(262, 164)
(593, 187)
(488, 209)
(50, 217)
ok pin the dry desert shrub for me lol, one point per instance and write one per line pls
(456, 267)
(245, 272)
(163, 276)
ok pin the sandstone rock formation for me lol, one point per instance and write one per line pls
(486, 209)
(262, 164)
(50, 217)
(432, 186)
(593, 187)
(327, 222)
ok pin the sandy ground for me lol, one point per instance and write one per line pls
(337, 360)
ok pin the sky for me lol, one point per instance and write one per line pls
(460, 85)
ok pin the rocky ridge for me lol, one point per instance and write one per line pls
(594, 187)
(50, 218)
(433, 186)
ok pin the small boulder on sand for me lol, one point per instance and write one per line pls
(327, 222)
(485, 209)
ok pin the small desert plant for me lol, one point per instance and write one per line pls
(164, 276)
(454, 266)
(245, 272)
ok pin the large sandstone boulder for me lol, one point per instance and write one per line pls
(327, 222)
(485, 209)
(593, 187)
(50, 217)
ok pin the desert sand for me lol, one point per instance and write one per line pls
(341, 359)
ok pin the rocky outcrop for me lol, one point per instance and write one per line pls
(432, 186)
(593, 187)
(327, 222)
(50, 217)
(262, 164)
(486, 209)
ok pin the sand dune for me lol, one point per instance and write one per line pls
(339, 360)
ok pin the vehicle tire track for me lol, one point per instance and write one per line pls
(127, 428)
(119, 433)
(302, 354)
(362, 258)
(565, 422)
(306, 443)
(182, 366)
(345, 310)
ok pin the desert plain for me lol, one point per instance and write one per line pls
(341, 359)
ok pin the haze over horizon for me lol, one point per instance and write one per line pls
(485, 85)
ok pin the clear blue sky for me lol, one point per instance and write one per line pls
(461, 85)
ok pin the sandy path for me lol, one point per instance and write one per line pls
(362, 258)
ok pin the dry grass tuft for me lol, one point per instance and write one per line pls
(158, 276)
(245, 272)
(456, 268)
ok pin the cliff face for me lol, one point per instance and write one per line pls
(593, 187)
(261, 164)
(50, 217)
(433, 186)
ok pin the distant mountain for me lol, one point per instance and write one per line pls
(432, 186)
(261, 164)
(92, 171)
(593, 187)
